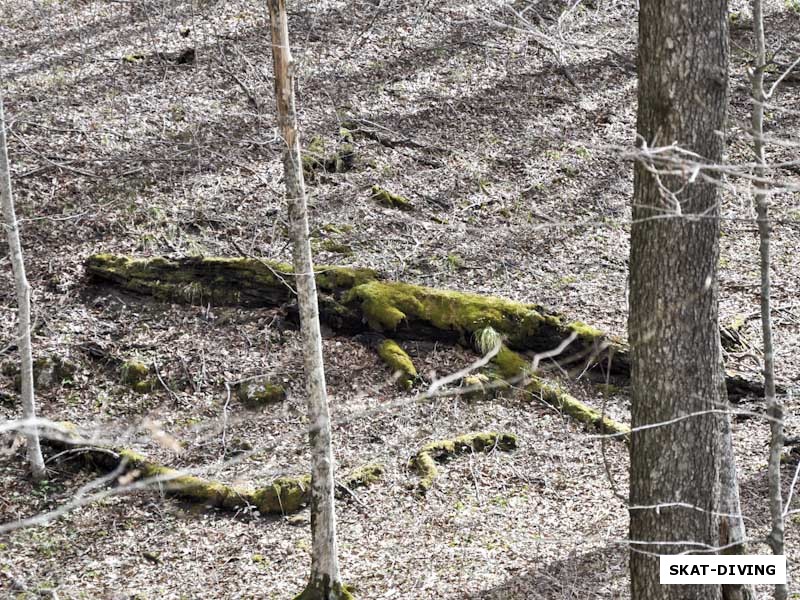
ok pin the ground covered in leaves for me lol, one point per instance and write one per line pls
(147, 128)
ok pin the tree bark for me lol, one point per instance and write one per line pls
(673, 323)
(324, 582)
(775, 539)
(23, 303)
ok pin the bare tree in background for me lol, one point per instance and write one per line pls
(23, 305)
(324, 582)
(774, 407)
(675, 488)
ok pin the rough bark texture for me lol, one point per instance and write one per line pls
(774, 407)
(23, 305)
(673, 324)
(324, 582)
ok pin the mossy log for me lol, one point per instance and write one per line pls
(557, 397)
(354, 300)
(245, 282)
(283, 495)
(389, 199)
(425, 460)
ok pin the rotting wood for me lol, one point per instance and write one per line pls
(354, 300)
(425, 461)
(284, 495)
(399, 361)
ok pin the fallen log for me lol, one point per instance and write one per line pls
(357, 300)
(283, 495)
(354, 300)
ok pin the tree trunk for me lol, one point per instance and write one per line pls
(732, 530)
(774, 406)
(24, 305)
(324, 582)
(673, 323)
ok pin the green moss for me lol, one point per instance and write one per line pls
(388, 304)
(363, 476)
(399, 361)
(337, 228)
(554, 395)
(511, 365)
(585, 332)
(285, 495)
(336, 247)
(427, 469)
(258, 393)
(136, 375)
(479, 385)
(390, 200)
(315, 158)
(425, 460)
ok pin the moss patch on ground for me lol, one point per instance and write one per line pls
(389, 199)
(136, 375)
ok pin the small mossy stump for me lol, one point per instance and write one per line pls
(48, 372)
(316, 159)
(136, 375)
(425, 460)
(390, 200)
(399, 362)
(285, 495)
(258, 393)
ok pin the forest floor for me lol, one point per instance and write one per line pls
(512, 147)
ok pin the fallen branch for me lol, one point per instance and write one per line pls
(514, 368)
(282, 496)
(425, 460)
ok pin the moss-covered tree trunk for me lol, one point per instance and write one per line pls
(24, 305)
(324, 582)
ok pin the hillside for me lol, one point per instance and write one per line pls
(147, 128)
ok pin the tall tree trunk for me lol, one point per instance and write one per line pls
(774, 407)
(673, 323)
(23, 302)
(324, 582)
